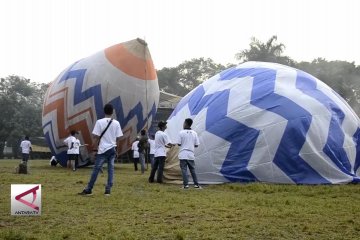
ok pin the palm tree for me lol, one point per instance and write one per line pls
(267, 52)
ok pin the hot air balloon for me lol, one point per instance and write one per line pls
(269, 123)
(123, 75)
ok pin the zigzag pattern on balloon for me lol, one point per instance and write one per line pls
(290, 156)
(80, 96)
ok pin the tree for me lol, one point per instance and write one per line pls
(342, 76)
(266, 52)
(182, 79)
(20, 107)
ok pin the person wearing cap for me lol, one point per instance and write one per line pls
(73, 145)
(161, 143)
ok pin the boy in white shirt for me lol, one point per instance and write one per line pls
(152, 150)
(25, 149)
(188, 140)
(73, 145)
(136, 155)
(161, 143)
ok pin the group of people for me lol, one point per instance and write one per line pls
(105, 142)
(106, 135)
(143, 148)
(187, 141)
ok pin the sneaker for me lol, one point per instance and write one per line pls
(85, 192)
(107, 193)
(185, 187)
(197, 186)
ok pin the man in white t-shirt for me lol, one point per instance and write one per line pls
(188, 140)
(135, 149)
(25, 149)
(73, 145)
(106, 135)
(161, 143)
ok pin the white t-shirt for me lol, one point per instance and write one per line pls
(188, 139)
(135, 148)
(25, 146)
(161, 139)
(71, 143)
(108, 140)
(77, 146)
(152, 146)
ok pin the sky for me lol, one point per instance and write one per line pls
(40, 38)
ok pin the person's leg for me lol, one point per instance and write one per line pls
(154, 169)
(152, 160)
(142, 162)
(110, 156)
(76, 162)
(136, 160)
(68, 163)
(25, 157)
(100, 158)
(191, 164)
(184, 173)
(161, 169)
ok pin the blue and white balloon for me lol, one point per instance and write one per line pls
(270, 123)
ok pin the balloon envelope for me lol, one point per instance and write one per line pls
(270, 123)
(123, 75)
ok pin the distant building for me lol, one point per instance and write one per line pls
(167, 104)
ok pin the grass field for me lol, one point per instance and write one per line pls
(140, 210)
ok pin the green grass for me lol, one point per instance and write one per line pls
(139, 210)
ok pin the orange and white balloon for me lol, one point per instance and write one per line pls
(123, 75)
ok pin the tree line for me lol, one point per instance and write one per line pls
(21, 99)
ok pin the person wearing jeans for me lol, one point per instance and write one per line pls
(106, 133)
(188, 140)
(161, 143)
(143, 148)
(109, 157)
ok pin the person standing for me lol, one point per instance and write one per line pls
(161, 143)
(188, 140)
(106, 135)
(143, 148)
(26, 148)
(152, 150)
(135, 154)
(73, 145)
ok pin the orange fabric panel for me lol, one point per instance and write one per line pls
(130, 64)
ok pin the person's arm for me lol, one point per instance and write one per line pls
(95, 145)
(197, 142)
(168, 143)
(179, 140)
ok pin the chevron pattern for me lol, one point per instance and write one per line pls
(58, 127)
(316, 134)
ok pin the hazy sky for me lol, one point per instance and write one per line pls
(40, 38)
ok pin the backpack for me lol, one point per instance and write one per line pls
(143, 144)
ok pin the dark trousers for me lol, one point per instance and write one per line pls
(136, 161)
(25, 157)
(159, 164)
